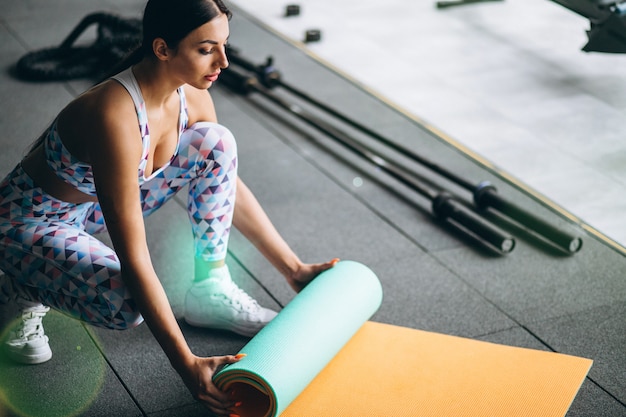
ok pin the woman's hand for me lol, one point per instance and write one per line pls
(306, 273)
(198, 377)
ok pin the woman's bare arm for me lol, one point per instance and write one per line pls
(252, 221)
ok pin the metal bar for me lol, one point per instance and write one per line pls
(444, 205)
(484, 193)
(451, 3)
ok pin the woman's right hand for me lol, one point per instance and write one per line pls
(198, 377)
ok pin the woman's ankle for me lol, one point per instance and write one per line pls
(203, 268)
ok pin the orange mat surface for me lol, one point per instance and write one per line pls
(387, 370)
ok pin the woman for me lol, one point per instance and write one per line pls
(116, 154)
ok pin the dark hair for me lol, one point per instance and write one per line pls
(170, 20)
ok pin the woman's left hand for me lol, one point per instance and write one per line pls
(307, 272)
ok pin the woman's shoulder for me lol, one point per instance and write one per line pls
(108, 100)
(109, 93)
(104, 113)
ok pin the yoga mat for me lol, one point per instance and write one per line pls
(294, 347)
(386, 370)
(321, 357)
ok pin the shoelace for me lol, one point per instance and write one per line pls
(31, 324)
(236, 295)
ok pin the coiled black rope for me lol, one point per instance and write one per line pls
(116, 37)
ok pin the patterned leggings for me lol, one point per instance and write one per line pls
(47, 246)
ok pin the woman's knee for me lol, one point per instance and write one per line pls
(122, 312)
(113, 316)
(213, 142)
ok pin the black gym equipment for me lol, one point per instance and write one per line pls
(116, 36)
(484, 193)
(607, 18)
(443, 204)
(451, 3)
(292, 10)
(312, 35)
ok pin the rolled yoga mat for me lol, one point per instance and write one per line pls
(311, 361)
(284, 357)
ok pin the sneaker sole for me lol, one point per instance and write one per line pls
(44, 355)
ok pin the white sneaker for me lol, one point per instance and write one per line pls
(219, 303)
(27, 342)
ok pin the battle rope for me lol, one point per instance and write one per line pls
(116, 37)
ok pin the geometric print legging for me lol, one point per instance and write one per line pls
(47, 246)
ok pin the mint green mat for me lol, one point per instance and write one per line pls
(291, 350)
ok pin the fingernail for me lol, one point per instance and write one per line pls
(240, 355)
(334, 261)
(238, 404)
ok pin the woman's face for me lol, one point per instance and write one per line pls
(201, 55)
